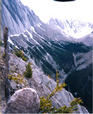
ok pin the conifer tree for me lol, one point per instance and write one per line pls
(28, 72)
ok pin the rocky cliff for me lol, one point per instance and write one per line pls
(41, 83)
(51, 47)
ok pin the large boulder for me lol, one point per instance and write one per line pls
(25, 100)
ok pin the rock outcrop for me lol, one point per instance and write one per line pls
(1, 83)
(2, 86)
(43, 84)
(24, 101)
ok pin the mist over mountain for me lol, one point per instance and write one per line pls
(53, 46)
(74, 28)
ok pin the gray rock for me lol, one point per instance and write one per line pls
(45, 85)
(23, 101)
(17, 64)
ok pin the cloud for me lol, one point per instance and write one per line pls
(45, 9)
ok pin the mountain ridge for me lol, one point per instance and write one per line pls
(47, 46)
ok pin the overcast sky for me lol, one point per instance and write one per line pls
(45, 9)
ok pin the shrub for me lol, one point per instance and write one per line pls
(24, 58)
(20, 54)
(17, 78)
(46, 103)
(28, 72)
(3, 55)
(0, 43)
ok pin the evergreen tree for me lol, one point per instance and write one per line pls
(28, 72)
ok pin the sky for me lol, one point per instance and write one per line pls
(45, 9)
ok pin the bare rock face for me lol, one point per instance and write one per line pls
(24, 101)
(45, 85)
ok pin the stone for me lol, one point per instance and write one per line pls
(25, 100)
(45, 85)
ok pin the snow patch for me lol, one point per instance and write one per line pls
(9, 40)
(29, 34)
(15, 35)
(39, 24)
(32, 28)
(24, 35)
(32, 37)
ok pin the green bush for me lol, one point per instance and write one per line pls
(28, 72)
(0, 43)
(20, 54)
(18, 79)
(3, 55)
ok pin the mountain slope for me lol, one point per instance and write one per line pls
(17, 17)
(48, 46)
(74, 28)
(43, 84)
(79, 82)
(39, 81)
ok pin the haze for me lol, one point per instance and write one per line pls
(45, 9)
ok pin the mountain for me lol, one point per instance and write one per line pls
(79, 81)
(40, 83)
(18, 16)
(51, 47)
(74, 28)
(87, 40)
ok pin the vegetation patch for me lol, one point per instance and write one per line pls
(17, 78)
(1, 43)
(46, 103)
(20, 54)
(28, 72)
